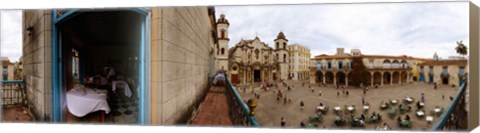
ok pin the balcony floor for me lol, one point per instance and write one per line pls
(15, 113)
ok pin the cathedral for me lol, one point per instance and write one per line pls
(251, 61)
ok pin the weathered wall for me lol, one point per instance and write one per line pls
(180, 52)
(37, 57)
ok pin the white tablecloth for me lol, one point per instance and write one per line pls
(436, 110)
(350, 108)
(321, 107)
(80, 103)
(429, 118)
(126, 89)
(409, 99)
(394, 101)
(337, 108)
(420, 113)
(366, 107)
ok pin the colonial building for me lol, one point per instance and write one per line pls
(8, 69)
(451, 71)
(299, 62)
(383, 70)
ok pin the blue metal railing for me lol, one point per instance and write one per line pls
(455, 116)
(13, 92)
(239, 111)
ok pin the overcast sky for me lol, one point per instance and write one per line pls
(415, 29)
(11, 34)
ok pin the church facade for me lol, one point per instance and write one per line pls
(253, 60)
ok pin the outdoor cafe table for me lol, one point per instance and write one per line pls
(437, 110)
(420, 113)
(81, 102)
(366, 107)
(337, 108)
(320, 107)
(350, 108)
(408, 99)
(394, 101)
(422, 104)
(405, 123)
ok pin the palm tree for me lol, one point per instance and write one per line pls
(461, 48)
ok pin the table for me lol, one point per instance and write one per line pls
(437, 110)
(82, 101)
(350, 108)
(321, 107)
(394, 101)
(408, 99)
(366, 107)
(405, 123)
(126, 89)
(337, 108)
(420, 113)
(429, 118)
(422, 104)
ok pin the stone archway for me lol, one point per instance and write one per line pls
(341, 78)
(377, 78)
(319, 77)
(404, 76)
(387, 78)
(329, 78)
(396, 77)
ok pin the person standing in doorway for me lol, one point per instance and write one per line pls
(282, 122)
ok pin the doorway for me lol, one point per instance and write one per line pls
(85, 42)
(256, 76)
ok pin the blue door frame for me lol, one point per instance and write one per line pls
(144, 65)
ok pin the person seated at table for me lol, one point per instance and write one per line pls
(407, 118)
(399, 119)
(373, 113)
(321, 104)
(362, 123)
(362, 117)
(379, 117)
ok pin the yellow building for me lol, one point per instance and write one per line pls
(299, 62)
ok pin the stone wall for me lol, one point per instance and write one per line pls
(37, 58)
(180, 52)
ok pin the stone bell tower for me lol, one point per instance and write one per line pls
(282, 56)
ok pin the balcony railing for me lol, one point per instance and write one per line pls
(239, 111)
(455, 116)
(13, 92)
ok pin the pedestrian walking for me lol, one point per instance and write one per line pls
(346, 93)
(320, 93)
(443, 96)
(302, 105)
(282, 122)
(302, 125)
(423, 97)
(363, 100)
(338, 93)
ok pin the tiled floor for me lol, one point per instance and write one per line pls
(15, 114)
(213, 110)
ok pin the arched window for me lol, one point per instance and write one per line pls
(223, 51)
(284, 57)
(284, 44)
(276, 45)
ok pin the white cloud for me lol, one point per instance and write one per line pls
(11, 34)
(416, 29)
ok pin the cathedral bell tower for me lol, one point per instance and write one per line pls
(281, 53)
(222, 48)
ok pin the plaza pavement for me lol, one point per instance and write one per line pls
(269, 111)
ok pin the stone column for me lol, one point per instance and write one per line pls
(400, 79)
(391, 78)
(381, 81)
(335, 79)
(372, 79)
(323, 76)
(346, 80)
